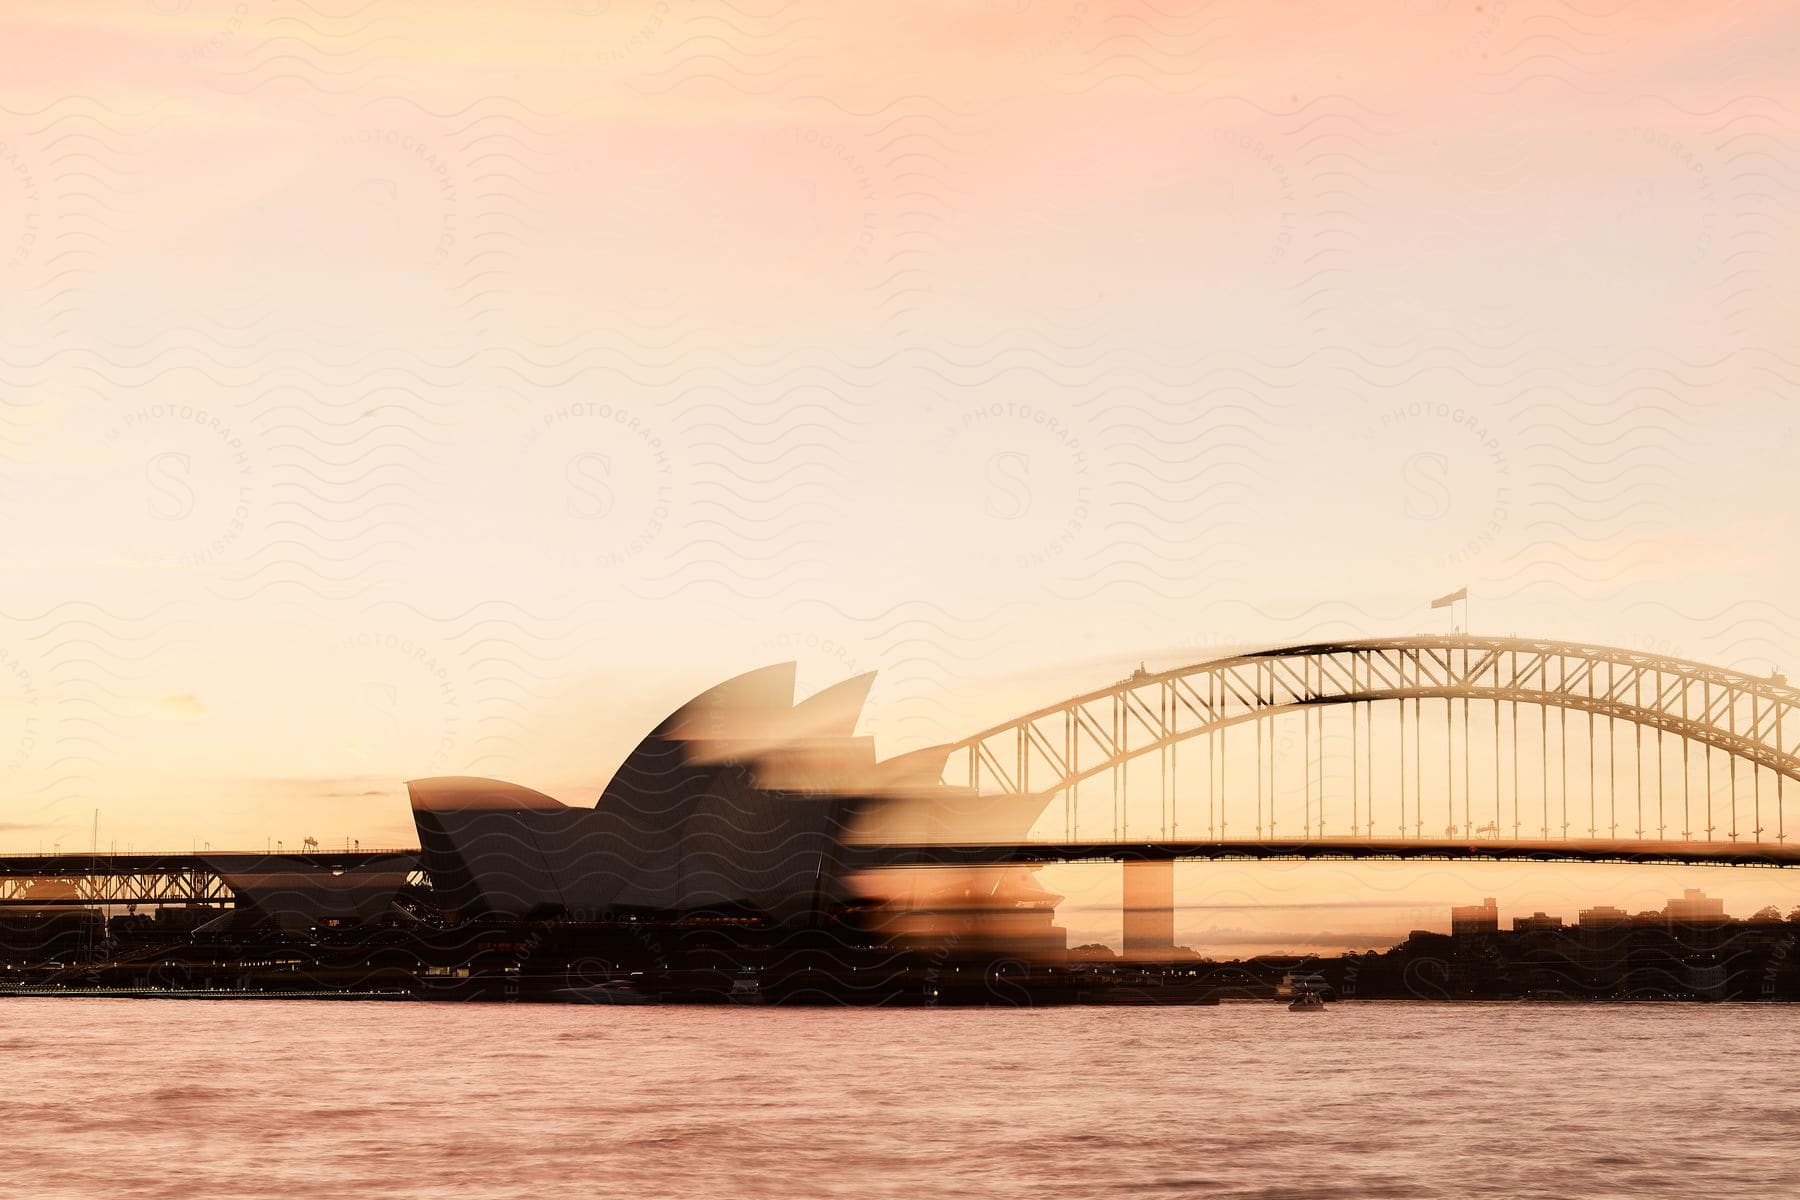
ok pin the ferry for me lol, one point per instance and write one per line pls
(1300, 983)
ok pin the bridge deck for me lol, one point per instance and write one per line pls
(1717, 853)
(1668, 853)
(222, 862)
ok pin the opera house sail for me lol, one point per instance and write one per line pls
(740, 804)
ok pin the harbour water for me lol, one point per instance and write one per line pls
(298, 1099)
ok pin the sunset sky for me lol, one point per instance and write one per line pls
(389, 390)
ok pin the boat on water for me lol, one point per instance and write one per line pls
(1305, 989)
(613, 991)
(745, 989)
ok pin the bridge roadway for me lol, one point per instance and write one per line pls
(1642, 853)
(65, 864)
(173, 877)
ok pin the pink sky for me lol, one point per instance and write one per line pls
(395, 389)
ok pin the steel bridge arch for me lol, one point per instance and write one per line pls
(1752, 718)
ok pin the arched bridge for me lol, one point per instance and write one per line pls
(1457, 747)
(1524, 747)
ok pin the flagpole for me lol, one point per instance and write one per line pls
(1449, 602)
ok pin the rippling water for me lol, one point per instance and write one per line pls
(241, 1099)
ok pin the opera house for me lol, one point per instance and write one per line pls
(741, 804)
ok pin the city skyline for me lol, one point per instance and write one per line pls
(388, 406)
(1341, 890)
(1020, 598)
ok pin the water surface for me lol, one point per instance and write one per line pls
(245, 1099)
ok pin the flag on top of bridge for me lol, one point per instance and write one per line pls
(1461, 593)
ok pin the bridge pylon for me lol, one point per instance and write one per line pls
(1149, 909)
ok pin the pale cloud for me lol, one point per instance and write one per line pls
(185, 705)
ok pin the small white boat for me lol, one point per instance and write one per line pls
(616, 991)
(1307, 1002)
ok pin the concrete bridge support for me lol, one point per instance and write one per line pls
(1149, 903)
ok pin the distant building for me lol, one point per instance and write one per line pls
(1694, 907)
(1603, 916)
(51, 934)
(1475, 918)
(1707, 980)
(1537, 922)
(1297, 981)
